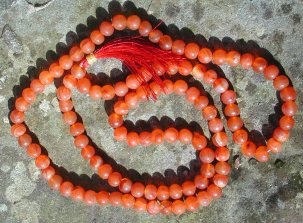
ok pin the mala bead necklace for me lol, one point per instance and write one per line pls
(153, 59)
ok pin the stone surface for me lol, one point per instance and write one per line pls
(270, 192)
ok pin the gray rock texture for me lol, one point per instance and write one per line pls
(31, 33)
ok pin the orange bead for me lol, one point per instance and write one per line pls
(289, 108)
(46, 78)
(201, 182)
(137, 190)
(185, 67)
(115, 199)
(240, 136)
(198, 71)
(155, 88)
(18, 130)
(125, 185)
(63, 93)
(180, 87)
(192, 94)
(172, 68)
(104, 171)
(77, 71)
(128, 201)
(97, 37)
(155, 35)
(191, 51)
(185, 136)
(145, 138)
(132, 81)
(84, 85)
(259, 65)
(214, 191)
(204, 198)
(209, 112)
(132, 139)
(228, 97)
(150, 192)
(274, 146)
(280, 135)
(66, 106)
(102, 197)
(42, 162)
(246, 60)
(55, 182)
(140, 204)
(281, 82)
(220, 139)
(48, 172)
(178, 207)
(233, 58)
(222, 154)
(191, 203)
(95, 92)
(37, 86)
(114, 179)
(166, 207)
(288, 94)
(199, 141)
(220, 85)
(119, 22)
(77, 193)
(108, 92)
(115, 120)
(175, 191)
(145, 28)
(33, 150)
(133, 22)
(157, 136)
(234, 123)
(90, 197)
(222, 168)
(165, 42)
(70, 117)
(178, 47)
(70, 81)
(219, 57)
(262, 154)
(207, 170)
(231, 110)
(248, 149)
(76, 129)
(106, 28)
(215, 125)
(120, 133)
(21, 104)
(220, 180)
(162, 193)
(207, 155)
(141, 93)
(81, 141)
(66, 189)
(95, 162)
(210, 77)
(171, 135)
(29, 95)
(286, 122)
(271, 72)
(25, 140)
(201, 102)
(88, 152)
(205, 55)
(159, 68)
(76, 53)
(65, 62)
(153, 207)
(188, 188)
(55, 70)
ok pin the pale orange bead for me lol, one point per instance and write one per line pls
(131, 99)
(158, 68)
(106, 28)
(219, 57)
(192, 94)
(66, 106)
(220, 85)
(97, 37)
(166, 207)
(37, 86)
(76, 53)
(233, 58)
(153, 207)
(191, 51)
(168, 86)
(121, 108)
(70, 81)
(133, 22)
(65, 62)
(77, 71)
(222, 168)
(205, 55)
(119, 22)
(132, 81)
(198, 71)
(289, 108)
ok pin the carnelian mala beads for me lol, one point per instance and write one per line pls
(153, 59)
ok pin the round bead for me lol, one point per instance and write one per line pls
(178, 47)
(63, 93)
(66, 188)
(281, 82)
(199, 141)
(77, 193)
(231, 110)
(185, 67)
(240, 136)
(175, 191)
(128, 201)
(76, 129)
(205, 55)
(191, 51)
(33, 150)
(248, 149)
(219, 57)
(132, 139)
(125, 185)
(180, 87)
(48, 172)
(262, 154)
(185, 136)
(280, 135)
(220, 180)
(84, 85)
(65, 62)
(209, 112)
(106, 28)
(153, 207)
(70, 81)
(288, 94)
(108, 92)
(119, 22)
(81, 141)
(163, 193)
(88, 152)
(133, 22)
(56, 70)
(207, 155)
(204, 198)
(76, 53)
(55, 182)
(95, 92)
(198, 71)
(165, 42)
(25, 140)
(286, 122)
(234, 123)
(233, 58)
(70, 117)
(145, 28)
(42, 162)
(18, 130)
(274, 146)
(46, 78)
(140, 204)
(214, 191)
(215, 125)
(210, 77)
(246, 60)
(66, 106)
(97, 37)
(271, 72)
(220, 139)
(228, 97)
(37, 86)
(87, 46)
(188, 188)
(259, 65)
(77, 71)
(222, 168)
(95, 162)
(29, 95)
(115, 120)
(137, 189)
(178, 207)
(104, 171)
(102, 197)
(132, 81)
(155, 35)
(201, 182)
(207, 170)
(150, 192)
(114, 179)
(289, 108)
(222, 154)
(115, 199)
(171, 135)
(201, 102)
(220, 85)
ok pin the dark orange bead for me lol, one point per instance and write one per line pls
(70, 117)
(234, 123)
(198, 71)
(125, 185)
(180, 87)
(248, 149)
(191, 51)
(132, 139)
(162, 193)
(281, 82)
(271, 72)
(178, 207)
(106, 28)
(145, 28)
(201, 182)
(33, 150)
(209, 112)
(95, 92)
(215, 125)
(18, 130)
(55, 182)
(56, 70)
(133, 22)
(63, 93)
(219, 57)
(108, 92)
(25, 140)
(97, 37)
(119, 22)
(201, 102)
(150, 192)
(140, 204)
(192, 94)
(204, 198)
(84, 85)
(185, 67)
(137, 189)
(77, 71)
(188, 188)
(132, 81)
(246, 60)
(289, 108)
(274, 146)
(240, 136)
(90, 197)
(115, 199)
(65, 62)
(222, 168)
(233, 58)
(178, 47)
(76, 53)
(115, 120)
(87, 46)
(228, 97)
(166, 207)
(280, 135)
(66, 188)
(29, 95)
(262, 154)
(220, 180)
(114, 179)
(76, 129)
(207, 170)
(88, 152)
(231, 110)
(199, 141)
(46, 78)
(219, 139)
(95, 162)
(70, 81)
(210, 77)
(145, 138)
(120, 133)
(207, 155)
(37, 86)
(42, 162)
(175, 191)
(102, 197)
(286, 122)
(105, 170)
(288, 94)
(205, 55)
(185, 136)
(171, 135)
(222, 154)
(48, 172)
(259, 65)
(157, 136)
(81, 141)
(220, 85)
(155, 35)
(128, 201)
(214, 191)
(153, 207)
(165, 42)
(77, 193)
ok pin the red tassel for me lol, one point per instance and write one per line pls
(136, 53)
